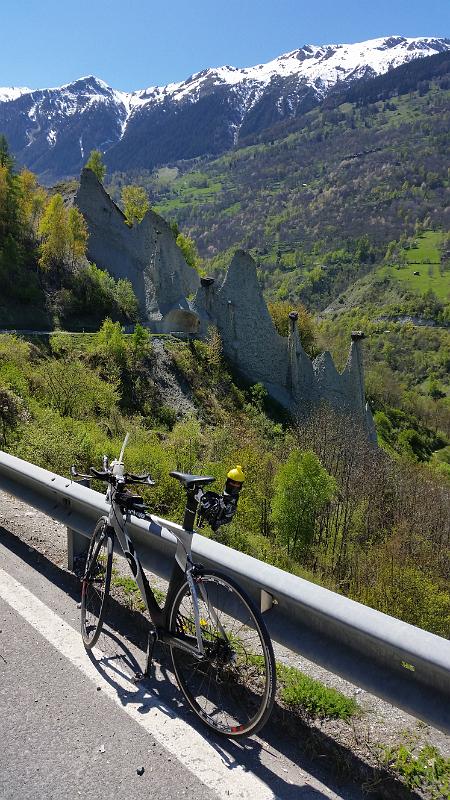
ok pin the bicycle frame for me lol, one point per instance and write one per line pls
(183, 569)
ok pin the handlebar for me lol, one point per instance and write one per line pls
(75, 474)
(109, 477)
(101, 475)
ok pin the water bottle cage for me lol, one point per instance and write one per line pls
(216, 509)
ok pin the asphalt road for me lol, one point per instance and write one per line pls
(74, 726)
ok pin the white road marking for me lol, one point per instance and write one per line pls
(214, 768)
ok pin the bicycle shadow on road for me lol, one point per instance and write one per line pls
(284, 739)
(116, 664)
(264, 756)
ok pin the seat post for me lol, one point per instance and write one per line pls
(190, 509)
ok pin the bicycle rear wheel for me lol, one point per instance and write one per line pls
(96, 583)
(232, 688)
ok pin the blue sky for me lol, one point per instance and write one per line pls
(136, 43)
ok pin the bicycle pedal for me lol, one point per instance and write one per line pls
(138, 677)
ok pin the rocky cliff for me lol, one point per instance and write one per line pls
(146, 254)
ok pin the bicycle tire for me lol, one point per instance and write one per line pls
(96, 583)
(231, 689)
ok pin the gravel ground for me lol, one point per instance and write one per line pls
(176, 393)
(380, 723)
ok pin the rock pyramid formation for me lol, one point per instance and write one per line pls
(255, 348)
(147, 255)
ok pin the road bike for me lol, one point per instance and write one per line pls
(220, 649)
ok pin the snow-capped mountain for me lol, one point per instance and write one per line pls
(52, 131)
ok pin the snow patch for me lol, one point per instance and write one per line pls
(8, 93)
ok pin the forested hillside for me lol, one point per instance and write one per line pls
(45, 277)
(318, 500)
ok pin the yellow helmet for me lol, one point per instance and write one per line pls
(236, 474)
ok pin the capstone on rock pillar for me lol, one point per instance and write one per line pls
(207, 284)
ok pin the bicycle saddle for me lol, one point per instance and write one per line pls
(191, 481)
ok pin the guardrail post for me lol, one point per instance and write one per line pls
(267, 601)
(77, 544)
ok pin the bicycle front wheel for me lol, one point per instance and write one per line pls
(96, 583)
(232, 688)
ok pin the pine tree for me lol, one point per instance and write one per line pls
(6, 159)
(9, 195)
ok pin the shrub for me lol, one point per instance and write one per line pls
(74, 390)
(14, 350)
(12, 412)
(94, 292)
(407, 593)
(301, 488)
(55, 442)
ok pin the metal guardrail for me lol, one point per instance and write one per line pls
(403, 664)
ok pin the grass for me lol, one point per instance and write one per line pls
(189, 194)
(424, 259)
(428, 770)
(426, 250)
(407, 109)
(309, 697)
(302, 693)
(132, 592)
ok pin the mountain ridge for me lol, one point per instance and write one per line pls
(52, 130)
(284, 61)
